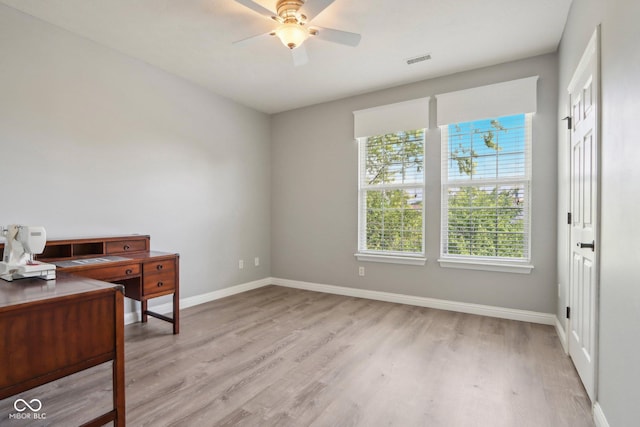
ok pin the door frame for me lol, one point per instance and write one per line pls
(592, 48)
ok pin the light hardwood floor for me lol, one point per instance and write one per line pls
(285, 357)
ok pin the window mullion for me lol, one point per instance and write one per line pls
(395, 186)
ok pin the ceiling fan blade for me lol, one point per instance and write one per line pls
(337, 36)
(312, 8)
(299, 56)
(258, 8)
(254, 38)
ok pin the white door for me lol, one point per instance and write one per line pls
(583, 289)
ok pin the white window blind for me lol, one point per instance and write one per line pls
(391, 194)
(486, 186)
(391, 181)
(486, 173)
(386, 119)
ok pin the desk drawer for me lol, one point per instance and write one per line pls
(159, 276)
(167, 267)
(112, 273)
(124, 246)
(159, 283)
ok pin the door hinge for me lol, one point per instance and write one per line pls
(568, 119)
(569, 218)
(568, 312)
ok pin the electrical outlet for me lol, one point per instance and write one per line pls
(256, 261)
(361, 271)
(241, 264)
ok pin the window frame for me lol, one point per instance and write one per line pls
(395, 257)
(487, 263)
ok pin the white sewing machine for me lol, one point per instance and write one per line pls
(22, 243)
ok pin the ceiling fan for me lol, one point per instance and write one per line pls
(293, 17)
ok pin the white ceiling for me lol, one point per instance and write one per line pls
(193, 39)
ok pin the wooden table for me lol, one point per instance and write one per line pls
(51, 329)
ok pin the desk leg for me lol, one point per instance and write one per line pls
(118, 363)
(176, 302)
(144, 310)
(176, 313)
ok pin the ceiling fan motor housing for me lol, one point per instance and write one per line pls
(288, 11)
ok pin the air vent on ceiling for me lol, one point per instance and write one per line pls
(417, 59)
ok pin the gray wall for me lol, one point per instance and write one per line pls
(619, 371)
(93, 141)
(314, 202)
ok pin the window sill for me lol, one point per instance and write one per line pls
(392, 259)
(520, 268)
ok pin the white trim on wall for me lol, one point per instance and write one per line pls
(562, 336)
(462, 307)
(598, 416)
(406, 260)
(472, 264)
(134, 316)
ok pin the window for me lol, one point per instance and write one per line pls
(486, 137)
(391, 181)
(391, 193)
(485, 188)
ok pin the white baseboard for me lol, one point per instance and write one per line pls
(483, 310)
(562, 336)
(462, 307)
(131, 317)
(598, 416)
(134, 316)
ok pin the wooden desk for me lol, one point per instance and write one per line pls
(145, 274)
(51, 329)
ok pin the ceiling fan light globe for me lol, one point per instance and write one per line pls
(292, 35)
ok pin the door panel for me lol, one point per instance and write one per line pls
(583, 93)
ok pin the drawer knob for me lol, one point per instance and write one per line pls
(160, 284)
(159, 267)
(127, 247)
(129, 271)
